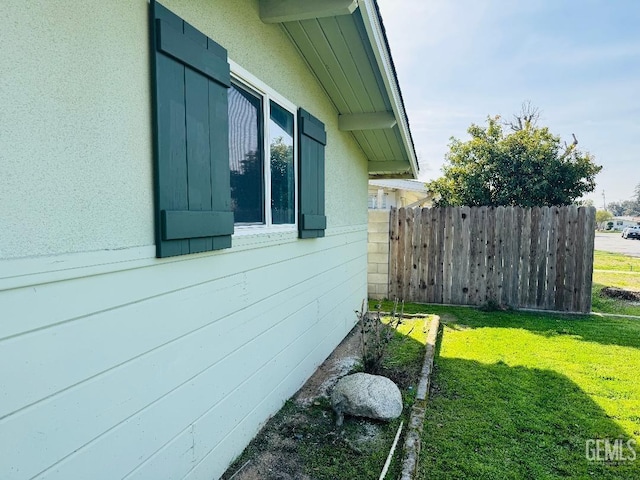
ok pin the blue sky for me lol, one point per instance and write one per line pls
(578, 61)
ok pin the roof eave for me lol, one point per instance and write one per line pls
(378, 38)
(370, 125)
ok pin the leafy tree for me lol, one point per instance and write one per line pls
(282, 181)
(527, 167)
(587, 202)
(624, 208)
(602, 217)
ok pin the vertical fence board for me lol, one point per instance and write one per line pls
(524, 259)
(490, 269)
(456, 256)
(564, 226)
(448, 256)
(570, 260)
(483, 227)
(541, 257)
(552, 248)
(464, 254)
(432, 261)
(498, 255)
(440, 255)
(533, 258)
(402, 216)
(587, 258)
(424, 252)
(393, 253)
(414, 285)
(408, 250)
(474, 252)
(507, 236)
(579, 261)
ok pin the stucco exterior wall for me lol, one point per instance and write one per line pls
(75, 150)
(124, 365)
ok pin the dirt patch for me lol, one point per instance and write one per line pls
(343, 360)
(302, 441)
(621, 294)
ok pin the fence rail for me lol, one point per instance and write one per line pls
(540, 258)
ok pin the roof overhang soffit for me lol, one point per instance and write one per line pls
(343, 43)
(279, 11)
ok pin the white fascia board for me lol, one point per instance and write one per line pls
(382, 54)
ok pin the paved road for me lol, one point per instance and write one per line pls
(613, 242)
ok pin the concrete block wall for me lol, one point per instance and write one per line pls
(378, 254)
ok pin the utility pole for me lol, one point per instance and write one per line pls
(604, 202)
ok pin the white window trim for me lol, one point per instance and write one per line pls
(243, 77)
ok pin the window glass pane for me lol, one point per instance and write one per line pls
(246, 156)
(282, 167)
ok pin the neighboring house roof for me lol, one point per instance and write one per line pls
(345, 45)
(399, 184)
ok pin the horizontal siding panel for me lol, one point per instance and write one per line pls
(89, 337)
(261, 363)
(293, 365)
(40, 306)
(338, 304)
(68, 420)
(227, 450)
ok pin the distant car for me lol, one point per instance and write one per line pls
(631, 232)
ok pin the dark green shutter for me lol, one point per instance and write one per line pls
(191, 129)
(312, 221)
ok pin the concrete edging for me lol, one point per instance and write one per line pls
(412, 442)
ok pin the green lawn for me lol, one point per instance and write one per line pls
(615, 270)
(615, 261)
(518, 395)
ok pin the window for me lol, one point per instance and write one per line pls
(227, 152)
(261, 158)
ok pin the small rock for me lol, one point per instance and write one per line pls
(365, 395)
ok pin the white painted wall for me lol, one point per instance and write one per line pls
(117, 364)
(620, 223)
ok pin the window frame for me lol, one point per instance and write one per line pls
(243, 79)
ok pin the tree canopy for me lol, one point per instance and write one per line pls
(626, 207)
(602, 217)
(526, 167)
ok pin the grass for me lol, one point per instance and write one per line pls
(304, 442)
(517, 395)
(615, 270)
(615, 261)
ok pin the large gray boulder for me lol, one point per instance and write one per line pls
(365, 395)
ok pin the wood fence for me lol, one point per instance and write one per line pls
(540, 258)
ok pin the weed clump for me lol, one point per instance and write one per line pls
(375, 335)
